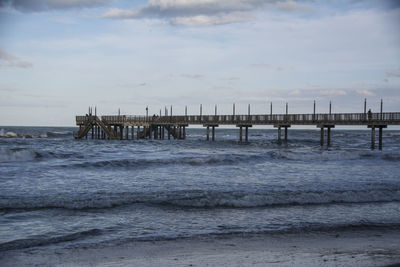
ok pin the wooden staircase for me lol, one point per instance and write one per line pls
(90, 122)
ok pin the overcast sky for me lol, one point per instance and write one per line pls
(57, 57)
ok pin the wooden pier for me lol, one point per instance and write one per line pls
(147, 127)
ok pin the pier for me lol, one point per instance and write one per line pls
(126, 127)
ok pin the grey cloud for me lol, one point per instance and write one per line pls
(202, 12)
(393, 73)
(233, 78)
(267, 66)
(43, 5)
(193, 76)
(13, 61)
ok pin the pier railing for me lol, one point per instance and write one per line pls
(299, 119)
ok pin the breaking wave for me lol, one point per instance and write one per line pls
(17, 154)
(27, 154)
(34, 134)
(201, 199)
(232, 159)
(42, 240)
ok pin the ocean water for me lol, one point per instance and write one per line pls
(59, 192)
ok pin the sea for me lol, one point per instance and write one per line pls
(58, 192)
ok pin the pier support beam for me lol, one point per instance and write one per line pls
(373, 138)
(126, 132)
(380, 131)
(328, 138)
(322, 136)
(133, 132)
(246, 131)
(155, 132)
(212, 131)
(285, 126)
(328, 131)
(150, 127)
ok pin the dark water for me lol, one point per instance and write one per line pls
(56, 191)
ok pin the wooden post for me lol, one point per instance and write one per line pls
(279, 135)
(328, 139)
(241, 134)
(169, 132)
(271, 109)
(138, 132)
(365, 109)
(213, 133)
(247, 134)
(314, 111)
(322, 136)
(133, 132)
(286, 132)
(92, 132)
(162, 132)
(373, 137)
(208, 133)
(184, 132)
(127, 132)
(380, 137)
(150, 132)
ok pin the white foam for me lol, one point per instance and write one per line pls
(16, 155)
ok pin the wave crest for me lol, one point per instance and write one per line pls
(20, 154)
(201, 199)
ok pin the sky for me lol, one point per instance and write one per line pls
(58, 57)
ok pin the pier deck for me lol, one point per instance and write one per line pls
(113, 127)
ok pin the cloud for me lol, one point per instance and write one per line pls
(267, 66)
(333, 92)
(292, 6)
(393, 73)
(202, 20)
(43, 5)
(202, 12)
(13, 61)
(193, 76)
(365, 92)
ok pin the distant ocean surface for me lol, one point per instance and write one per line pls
(60, 192)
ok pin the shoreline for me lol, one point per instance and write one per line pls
(376, 247)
